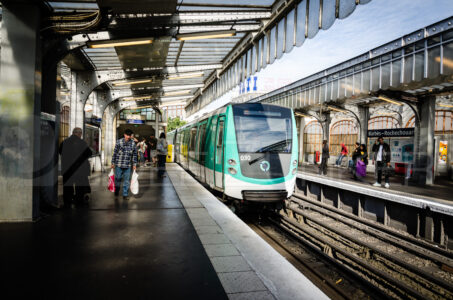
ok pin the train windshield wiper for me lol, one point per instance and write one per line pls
(261, 157)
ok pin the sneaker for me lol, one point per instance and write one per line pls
(387, 185)
(376, 184)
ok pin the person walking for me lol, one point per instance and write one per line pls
(142, 150)
(153, 151)
(124, 157)
(161, 155)
(75, 168)
(325, 158)
(343, 153)
(382, 156)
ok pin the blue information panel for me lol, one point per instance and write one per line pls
(129, 121)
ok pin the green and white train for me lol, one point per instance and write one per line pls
(247, 151)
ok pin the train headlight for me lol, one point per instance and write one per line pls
(232, 171)
(231, 162)
(294, 171)
(295, 163)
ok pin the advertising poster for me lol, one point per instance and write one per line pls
(443, 148)
(402, 151)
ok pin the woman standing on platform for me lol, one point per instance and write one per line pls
(161, 155)
(362, 162)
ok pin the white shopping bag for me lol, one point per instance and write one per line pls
(134, 183)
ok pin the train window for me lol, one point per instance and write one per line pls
(201, 143)
(220, 135)
(193, 135)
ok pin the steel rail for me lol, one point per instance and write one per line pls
(441, 256)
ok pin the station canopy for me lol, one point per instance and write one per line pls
(178, 51)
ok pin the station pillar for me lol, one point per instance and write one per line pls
(425, 144)
(326, 119)
(364, 116)
(20, 113)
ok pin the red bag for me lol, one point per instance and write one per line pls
(111, 185)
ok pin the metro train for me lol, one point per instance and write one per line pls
(249, 151)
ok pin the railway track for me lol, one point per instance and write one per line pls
(393, 264)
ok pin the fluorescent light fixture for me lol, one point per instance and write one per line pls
(121, 83)
(185, 75)
(383, 98)
(205, 35)
(119, 43)
(336, 109)
(177, 93)
(138, 98)
(301, 115)
(165, 99)
(446, 105)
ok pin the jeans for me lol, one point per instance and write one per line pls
(379, 168)
(323, 166)
(122, 173)
(339, 159)
(161, 164)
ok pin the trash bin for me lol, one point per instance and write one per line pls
(317, 156)
(170, 153)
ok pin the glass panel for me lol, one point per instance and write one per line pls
(396, 73)
(300, 26)
(357, 83)
(342, 88)
(313, 18)
(328, 13)
(366, 80)
(375, 79)
(447, 62)
(281, 37)
(273, 45)
(335, 89)
(346, 8)
(348, 86)
(322, 93)
(385, 76)
(408, 67)
(290, 31)
(433, 62)
(419, 66)
(265, 50)
(329, 91)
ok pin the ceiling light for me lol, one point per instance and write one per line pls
(176, 93)
(301, 115)
(137, 98)
(336, 109)
(121, 83)
(119, 43)
(165, 99)
(383, 98)
(446, 105)
(205, 35)
(185, 75)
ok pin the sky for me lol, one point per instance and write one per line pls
(368, 27)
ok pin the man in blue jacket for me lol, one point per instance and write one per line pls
(124, 157)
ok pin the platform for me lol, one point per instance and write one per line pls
(174, 240)
(441, 191)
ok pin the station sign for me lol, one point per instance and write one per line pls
(393, 132)
(129, 121)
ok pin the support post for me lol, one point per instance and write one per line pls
(364, 116)
(424, 137)
(20, 113)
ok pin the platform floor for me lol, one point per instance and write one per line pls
(442, 189)
(174, 240)
(145, 248)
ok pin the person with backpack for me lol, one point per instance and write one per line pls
(161, 148)
(361, 163)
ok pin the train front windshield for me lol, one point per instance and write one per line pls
(263, 128)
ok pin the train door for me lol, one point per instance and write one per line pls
(192, 142)
(201, 150)
(218, 174)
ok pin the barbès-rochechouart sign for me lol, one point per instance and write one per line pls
(394, 132)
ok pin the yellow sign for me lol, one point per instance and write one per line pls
(443, 147)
